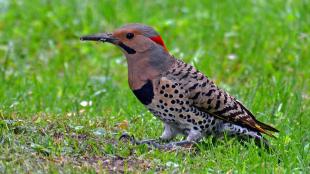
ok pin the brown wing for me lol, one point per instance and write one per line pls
(220, 104)
(207, 97)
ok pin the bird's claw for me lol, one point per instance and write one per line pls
(126, 137)
(176, 145)
(130, 138)
(152, 143)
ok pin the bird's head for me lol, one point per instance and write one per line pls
(146, 53)
(132, 39)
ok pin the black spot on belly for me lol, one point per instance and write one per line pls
(145, 94)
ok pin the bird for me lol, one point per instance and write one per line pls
(183, 98)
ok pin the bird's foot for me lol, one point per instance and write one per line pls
(132, 140)
(155, 143)
(129, 138)
(178, 144)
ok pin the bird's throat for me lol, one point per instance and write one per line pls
(147, 66)
(139, 76)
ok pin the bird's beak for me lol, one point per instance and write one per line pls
(102, 37)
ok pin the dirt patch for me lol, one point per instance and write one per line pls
(111, 164)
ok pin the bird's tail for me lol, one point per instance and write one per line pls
(260, 126)
(266, 127)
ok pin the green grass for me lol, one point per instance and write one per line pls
(46, 72)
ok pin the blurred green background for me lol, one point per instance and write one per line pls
(50, 81)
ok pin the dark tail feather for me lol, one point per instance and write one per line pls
(266, 127)
(262, 125)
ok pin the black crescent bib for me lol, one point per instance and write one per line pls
(145, 94)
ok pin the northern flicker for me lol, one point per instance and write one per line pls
(183, 98)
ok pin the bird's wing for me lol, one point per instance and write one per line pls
(209, 98)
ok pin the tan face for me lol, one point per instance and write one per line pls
(133, 39)
(146, 53)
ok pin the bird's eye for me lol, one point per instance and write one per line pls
(130, 35)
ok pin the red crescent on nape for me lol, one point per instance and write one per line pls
(159, 40)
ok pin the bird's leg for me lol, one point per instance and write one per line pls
(192, 137)
(173, 145)
(169, 133)
(149, 142)
(132, 139)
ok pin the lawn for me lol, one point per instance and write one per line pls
(64, 103)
